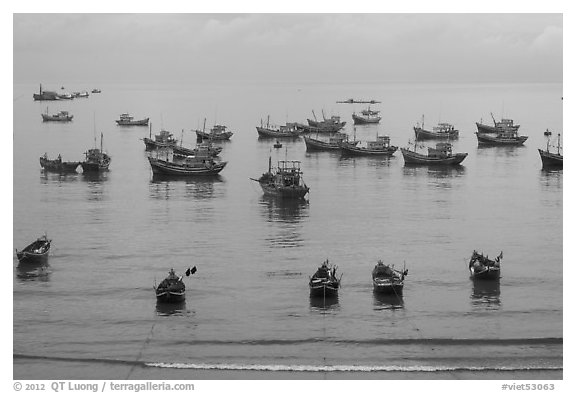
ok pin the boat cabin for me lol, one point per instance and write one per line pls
(164, 136)
(381, 142)
(443, 127)
(442, 150)
(289, 173)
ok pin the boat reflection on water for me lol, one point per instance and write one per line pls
(171, 309)
(47, 177)
(328, 303)
(283, 210)
(486, 294)
(165, 187)
(385, 301)
(551, 177)
(33, 271)
(438, 172)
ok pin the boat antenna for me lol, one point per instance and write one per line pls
(101, 142)
(323, 117)
(150, 130)
(314, 114)
(493, 119)
(204, 126)
(182, 137)
(94, 121)
(268, 122)
(558, 143)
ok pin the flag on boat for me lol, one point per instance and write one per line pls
(191, 271)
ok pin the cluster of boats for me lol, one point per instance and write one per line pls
(48, 95)
(96, 160)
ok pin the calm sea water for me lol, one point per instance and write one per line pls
(248, 306)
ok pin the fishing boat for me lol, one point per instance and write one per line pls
(96, 91)
(272, 131)
(547, 132)
(439, 155)
(45, 95)
(334, 142)
(205, 149)
(127, 120)
(505, 138)
(161, 140)
(503, 125)
(35, 252)
(441, 131)
(217, 133)
(324, 282)
(277, 145)
(80, 94)
(331, 124)
(380, 147)
(60, 116)
(367, 116)
(284, 181)
(386, 279)
(96, 159)
(65, 96)
(197, 165)
(58, 165)
(551, 159)
(172, 288)
(483, 268)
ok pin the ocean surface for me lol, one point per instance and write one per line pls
(248, 307)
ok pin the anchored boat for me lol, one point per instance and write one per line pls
(96, 159)
(37, 251)
(60, 116)
(331, 124)
(504, 138)
(441, 131)
(58, 165)
(197, 165)
(334, 142)
(324, 282)
(284, 181)
(367, 116)
(504, 125)
(483, 268)
(217, 133)
(439, 155)
(386, 279)
(45, 95)
(172, 288)
(380, 147)
(127, 120)
(161, 140)
(549, 158)
(290, 130)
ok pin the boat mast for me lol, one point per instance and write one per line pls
(204, 126)
(558, 143)
(268, 122)
(493, 119)
(150, 130)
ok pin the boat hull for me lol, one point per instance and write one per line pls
(365, 120)
(422, 134)
(284, 192)
(315, 144)
(168, 168)
(36, 252)
(58, 166)
(57, 118)
(387, 287)
(489, 273)
(494, 140)
(413, 158)
(550, 160)
(167, 296)
(268, 133)
(152, 144)
(224, 136)
(324, 290)
(350, 149)
(143, 122)
(93, 167)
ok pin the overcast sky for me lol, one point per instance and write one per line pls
(288, 47)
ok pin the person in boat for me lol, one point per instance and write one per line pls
(59, 158)
(45, 156)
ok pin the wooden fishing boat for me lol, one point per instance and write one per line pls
(386, 279)
(127, 120)
(96, 91)
(65, 96)
(272, 131)
(45, 95)
(551, 159)
(60, 116)
(80, 94)
(441, 131)
(324, 282)
(367, 116)
(333, 143)
(277, 145)
(172, 288)
(547, 132)
(197, 165)
(284, 181)
(504, 138)
(380, 147)
(504, 125)
(58, 165)
(96, 159)
(331, 124)
(202, 149)
(483, 268)
(217, 133)
(439, 155)
(35, 252)
(162, 140)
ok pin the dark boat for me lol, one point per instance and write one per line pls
(36, 252)
(162, 140)
(272, 131)
(285, 181)
(58, 165)
(504, 138)
(172, 288)
(380, 147)
(505, 125)
(96, 91)
(324, 282)
(66, 96)
(217, 133)
(96, 159)
(82, 94)
(386, 279)
(439, 155)
(441, 131)
(60, 116)
(551, 159)
(332, 124)
(204, 149)
(45, 95)
(199, 165)
(333, 143)
(277, 145)
(483, 268)
(127, 120)
(367, 116)
(547, 132)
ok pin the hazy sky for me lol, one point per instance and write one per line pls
(288, 47)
